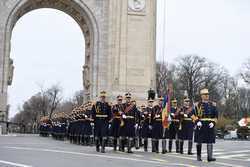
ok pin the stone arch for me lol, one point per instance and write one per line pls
(80, 12)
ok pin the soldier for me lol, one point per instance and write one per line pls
(129, 121)
(146, 131)
(205, 117)
(101, 114)
(117, 110)
(174, 126)
(158, 132)
(87, 122)
(186, 126)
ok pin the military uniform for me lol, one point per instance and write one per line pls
(174, 126)
(146, 131)
(186, 126)
(101, 114)
(205, 116)
(117, 109)
(129, 119)
(158, 132)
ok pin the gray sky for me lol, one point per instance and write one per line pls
(48, 46)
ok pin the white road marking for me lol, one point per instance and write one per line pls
(102, 156)
(194, 159)
(232, 156)
(85, 154)
(14, 164)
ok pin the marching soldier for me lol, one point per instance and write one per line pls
(186, 126)
(101, 113)
(206, 117)
(117, 110)
(158, 132)
(129, 118)
(174, 126)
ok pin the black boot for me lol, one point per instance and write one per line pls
(190, 146)
(137, 144)
(177, 146)
(164, 146)
(153, 145)
(181, 146)
(157, 146)
(198, 147)
(97, 143)
(146, 145)
(115, 144)
(130, 140)
(120, 144)
(123, 142)
(210, 153)
(170, 145)
(103, 145)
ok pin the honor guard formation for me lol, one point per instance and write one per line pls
(124, 125)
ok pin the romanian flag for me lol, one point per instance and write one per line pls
(165, 111)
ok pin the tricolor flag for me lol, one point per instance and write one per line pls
(165, 111)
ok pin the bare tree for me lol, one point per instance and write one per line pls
(54, 98)
(245, 71)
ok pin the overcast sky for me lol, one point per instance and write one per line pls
(48, 46)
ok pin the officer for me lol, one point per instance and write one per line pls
(186, 125)
(101, 114)
(174, 126)
(129, 123)
(205, 116)
(146, 125)
(158, 132)
(117, 110)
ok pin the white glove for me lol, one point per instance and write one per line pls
(185, 115)
(199, 124)
(124, 116)
(172, 114)
(169, 119)
(150, 127)
(211, 125)
(109, 126)
(157, 116)
(136, 126)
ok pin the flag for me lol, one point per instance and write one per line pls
(165, 111)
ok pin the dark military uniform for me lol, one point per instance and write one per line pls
(174, 128)
(158, 132)
(206, 114)
(186, 128)
(87, 127)
(146, 130)
(129, 120)
(101, 114)
(116, 122)
(205, 118)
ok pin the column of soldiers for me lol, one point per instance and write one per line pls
(128, 125)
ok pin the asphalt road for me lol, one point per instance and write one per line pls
(34, 151)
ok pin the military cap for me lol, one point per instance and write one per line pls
(128, 95)
(174, 101)
(204, 91)
(150, 100)
(119, 97)
(103, 94)
(160, 98)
